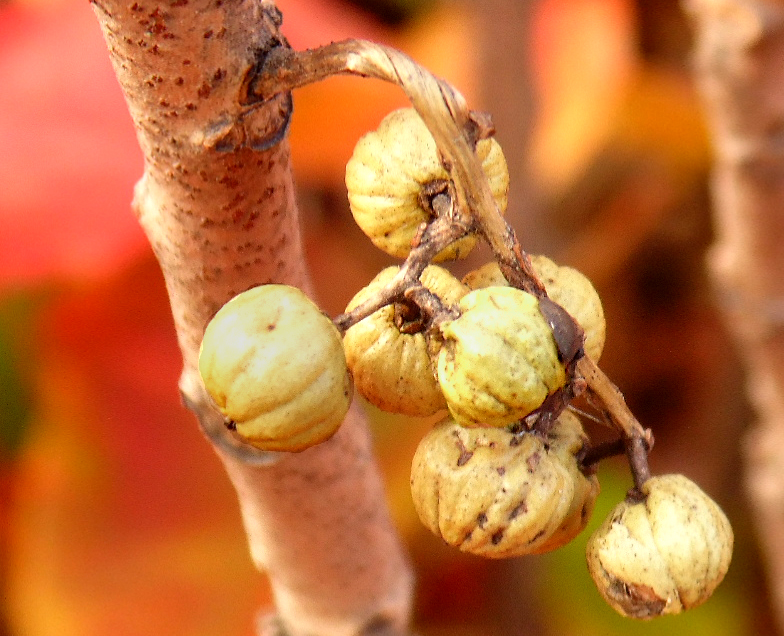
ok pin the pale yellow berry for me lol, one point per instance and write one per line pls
(388, 171)
(499, 360)
(572, 290)
(492, 493)
(488, 275)
(274, 365)
(393, 369)
(663, 554)
(565, 441)
(564, 285)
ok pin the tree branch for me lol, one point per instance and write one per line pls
(217, 203)
(740, 67)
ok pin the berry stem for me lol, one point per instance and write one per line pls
(437, 235)
(595, 454)
(610, 398)
(637, 440)
(637, 454)
(430, 305)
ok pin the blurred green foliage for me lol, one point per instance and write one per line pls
(17, 350)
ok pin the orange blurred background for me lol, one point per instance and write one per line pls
(116, 517)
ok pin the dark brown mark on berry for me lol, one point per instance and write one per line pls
(408, 319)
(536, 537)
(639, 601)
(465, 454)
(568, 335)
(519, 508)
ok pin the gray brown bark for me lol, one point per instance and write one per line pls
(217, 203)
(739, 61)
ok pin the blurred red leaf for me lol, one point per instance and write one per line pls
(310, 23)
(70, 152)
(330, 116)
(584, 56)
(122, 520)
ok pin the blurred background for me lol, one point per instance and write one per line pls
(116, 517)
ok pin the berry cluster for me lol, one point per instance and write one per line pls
(510, 471)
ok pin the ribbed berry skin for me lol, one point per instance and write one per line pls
(274, 365)
(388, 171)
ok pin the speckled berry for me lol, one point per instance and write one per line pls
(499, 360)
(388, 173)
(663, 554)
(274, 365)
